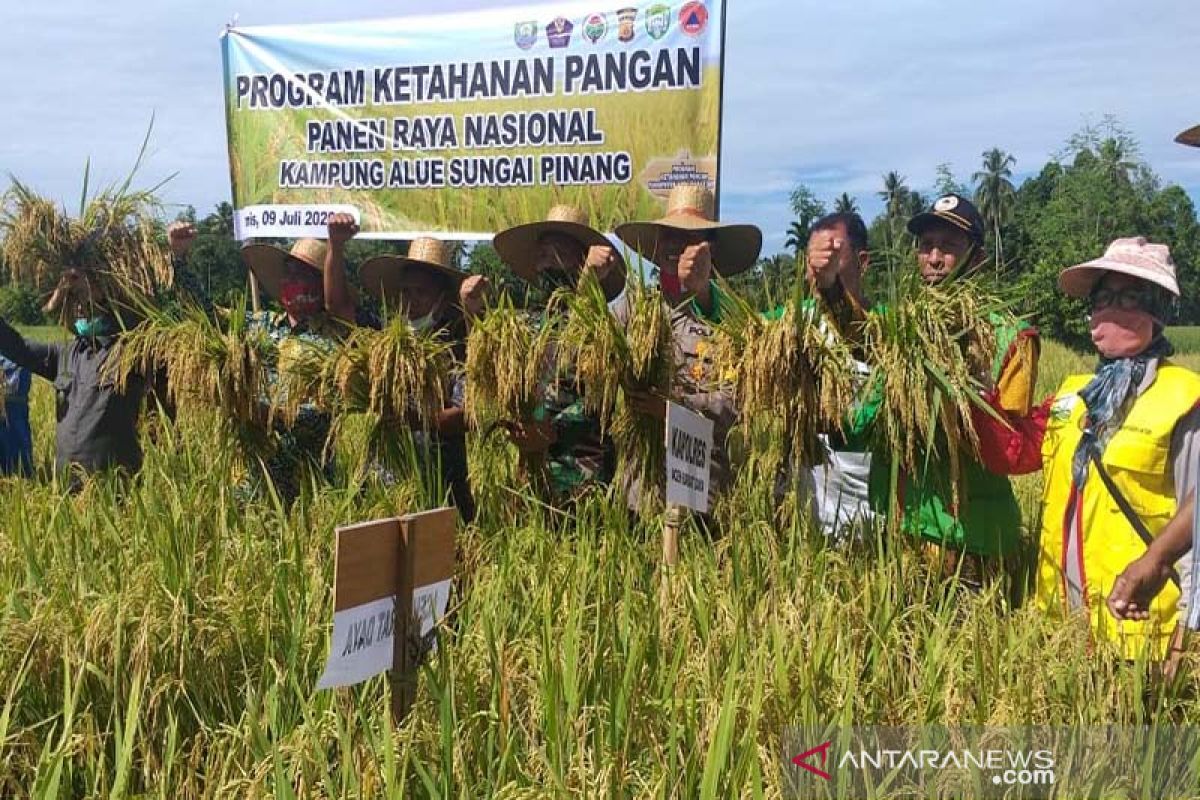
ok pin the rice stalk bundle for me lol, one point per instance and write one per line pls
(406, 371)
(790, 372)
(607, 355)
(304, 376)
(507, 359)
(114, 236)
(228, 365)
(931, 350)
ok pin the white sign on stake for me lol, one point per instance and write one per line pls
(375, 561)
(689, 450)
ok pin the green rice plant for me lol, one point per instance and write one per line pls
(508, 356)
(791, 371)
(609, 356)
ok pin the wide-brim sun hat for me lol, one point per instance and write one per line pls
(518, 246)
(735, 246)
(268, 262)
(1133, 256)
(381, 275)
(1190, 137)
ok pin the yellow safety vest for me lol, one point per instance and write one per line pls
(1138, 458)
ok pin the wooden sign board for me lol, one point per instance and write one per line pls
(387, 570)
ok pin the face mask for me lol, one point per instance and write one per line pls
(95, 326)
(669, 281)
(1121, 333)
(422, 324)
(301, 298)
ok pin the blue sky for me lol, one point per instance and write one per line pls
(828, 94)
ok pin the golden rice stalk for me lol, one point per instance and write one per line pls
(407, 371)
(507, 359)
(931, 350)
(606, 356)
(304, 375)
(790, 369)
(228, 365)
(38, 238)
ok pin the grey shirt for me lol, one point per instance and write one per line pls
(97, 425)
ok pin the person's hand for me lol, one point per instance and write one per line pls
(342, 228)
(472, 294)
(1137, 586)
(180, 236)
(647, 404)
(695, 267)
(602, 260)
(824, 258)
(532, 438)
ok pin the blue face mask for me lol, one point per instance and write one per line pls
(95, 326)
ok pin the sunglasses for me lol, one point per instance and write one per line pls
(1124, 299)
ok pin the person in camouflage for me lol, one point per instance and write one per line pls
(309, 282)
(561, 447)
(424, 286)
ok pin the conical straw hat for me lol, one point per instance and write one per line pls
(381, 275)
(267, 261)
(518, 245)
(690, 208)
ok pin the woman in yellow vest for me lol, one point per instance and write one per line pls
(1119, 447)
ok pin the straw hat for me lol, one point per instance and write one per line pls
(381, 275)
(266, 261)
(518, 246)
(690, 208)
(1135, 256)
(1190, 137)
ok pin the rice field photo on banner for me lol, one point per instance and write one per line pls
(460, 125)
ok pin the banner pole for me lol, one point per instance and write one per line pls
(720, 120)
(255, 304)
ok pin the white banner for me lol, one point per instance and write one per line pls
(689, 447)
(288, 221)
(361, 646)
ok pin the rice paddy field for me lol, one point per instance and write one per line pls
(163, 638)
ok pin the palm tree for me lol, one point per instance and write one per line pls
(894, 195)
(995, 194)
(797, 237)
(1116, 159)
(845, 204)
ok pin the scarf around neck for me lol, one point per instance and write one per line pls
(1106, 396)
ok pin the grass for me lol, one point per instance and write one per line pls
(162, 639)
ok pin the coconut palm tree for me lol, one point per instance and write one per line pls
(845, 204)
(894, 195)
(797, 237)
(995, 194)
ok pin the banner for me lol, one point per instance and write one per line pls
(461, 125)
(689, 451)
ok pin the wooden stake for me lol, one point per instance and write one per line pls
(404, 645)
(672, 520)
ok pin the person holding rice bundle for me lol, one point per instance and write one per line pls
(689, 245)
(561, 442)
(309, 282)
(1119, 449)
(424, 286)
(97, 421)
(970, 520)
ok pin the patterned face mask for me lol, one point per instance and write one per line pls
(90, 327)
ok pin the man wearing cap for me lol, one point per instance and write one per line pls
(424, 286)
(1119, 449)
(563, 437)
(985, 526)
(688, 245)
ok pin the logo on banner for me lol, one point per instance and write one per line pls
(626, 17)
(594, 27)
(559, 32)
(658, 20)
(693, 18)
(525, 34)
